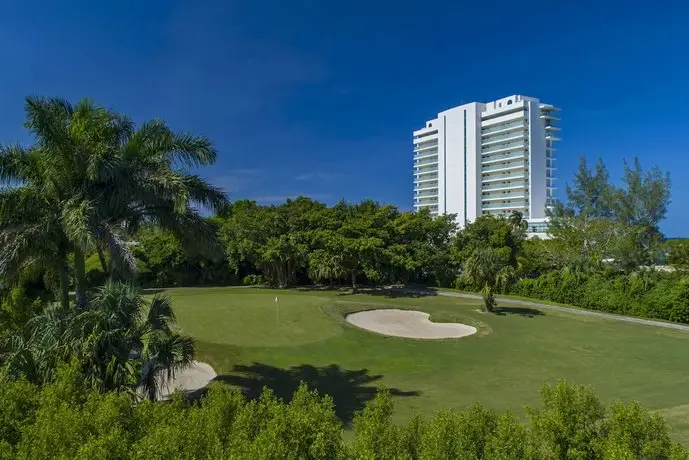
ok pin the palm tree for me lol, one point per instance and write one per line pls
(89, 181)
(122, 343)
(519, 225)
(32, 240)
(483, 269)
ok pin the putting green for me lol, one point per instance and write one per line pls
(222, 319)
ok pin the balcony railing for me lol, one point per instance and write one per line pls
(502, 126)
(431, 194)
(502, 177)
(510, 205)
(425, 145)
(506, 137)
(506, 146)
(432, 161)
(498, 186)
(425, 179)
(508, 165)
(505, 156)
(426, 153)
(504, 196)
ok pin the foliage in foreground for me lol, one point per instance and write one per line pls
(121, 342)
(62, 420)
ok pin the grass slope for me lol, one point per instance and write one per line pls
(251, 345)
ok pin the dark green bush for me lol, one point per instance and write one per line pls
(63, 420)
(644, 294)
(254, 280)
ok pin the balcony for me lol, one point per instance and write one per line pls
(427, 170)
(503, 137)
(548, 116)
(504, 127)
(426, 179)
(428, 194)
(505, 167)
(504, 157)
(550, 137)
(505, 148)
(426, 136)
(426, 154)
(511, 205)
(494, 118)
(551, 128)
(505, 196)
(487, 179)
(433, 206)
(430, 186)
(425, 146)
(430, 161)
(510, 186)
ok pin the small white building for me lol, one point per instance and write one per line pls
(488, 158)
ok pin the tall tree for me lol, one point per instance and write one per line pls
(642, 203)
(601, 222)
(487, 269)
(488, 231)
(592, 193)
(99, 178)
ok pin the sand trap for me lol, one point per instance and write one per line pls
(407, 323)
(191, 380)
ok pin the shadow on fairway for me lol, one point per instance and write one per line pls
(519, 311)
(350, 389)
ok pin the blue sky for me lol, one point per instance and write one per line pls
(320, 97)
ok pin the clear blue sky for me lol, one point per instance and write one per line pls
(320, 97)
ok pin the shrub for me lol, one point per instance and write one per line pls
(254, 280)
(645, 294)
(65, 420)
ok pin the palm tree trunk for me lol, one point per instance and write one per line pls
(64, 279)
(103, 261)
(80, 277)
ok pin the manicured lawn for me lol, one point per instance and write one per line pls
(250, 344)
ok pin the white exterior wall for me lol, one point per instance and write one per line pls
(452, 164)
(473, 161)
(537, 171)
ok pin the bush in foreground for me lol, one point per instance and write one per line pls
(61, 420)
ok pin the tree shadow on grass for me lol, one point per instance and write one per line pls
(520, 311)
(350, 389)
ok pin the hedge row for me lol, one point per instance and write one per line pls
(59, 421)
(642, 295)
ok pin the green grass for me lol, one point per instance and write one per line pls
(240, 333)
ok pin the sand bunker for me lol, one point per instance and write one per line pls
(193, 379)
(407, 323)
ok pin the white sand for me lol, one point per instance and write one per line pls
(192, 379)
(407, 323)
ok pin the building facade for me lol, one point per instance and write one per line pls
(488, 158)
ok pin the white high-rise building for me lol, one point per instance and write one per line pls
(482, 158)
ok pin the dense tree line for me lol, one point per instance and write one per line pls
(66, 420)
(606, 237)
